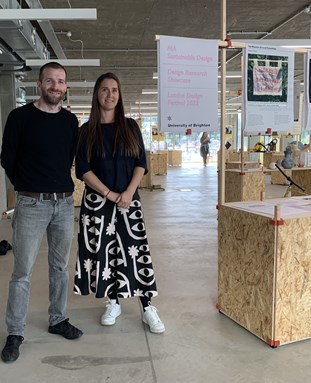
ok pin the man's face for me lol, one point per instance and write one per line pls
(53, 86)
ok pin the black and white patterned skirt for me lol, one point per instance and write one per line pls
(113, 252)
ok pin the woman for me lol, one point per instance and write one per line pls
(113, 257)
(204, 149)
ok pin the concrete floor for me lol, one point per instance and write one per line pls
(199, 345)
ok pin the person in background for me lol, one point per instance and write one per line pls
(113, 258)
(38, 148)
(204, 149)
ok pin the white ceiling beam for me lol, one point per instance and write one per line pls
(67, 62)
(71, 84)
(49, 14)
(86, 98)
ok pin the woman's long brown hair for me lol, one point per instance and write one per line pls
(126, 137)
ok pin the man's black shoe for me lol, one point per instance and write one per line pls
(66, 329)
(10, 351)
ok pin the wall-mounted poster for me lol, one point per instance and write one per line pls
(268, 97)
(187, 84)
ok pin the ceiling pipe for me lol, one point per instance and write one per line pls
(305, 9)
(21, 33)
(48, 31)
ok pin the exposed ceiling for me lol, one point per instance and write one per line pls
(123, 38)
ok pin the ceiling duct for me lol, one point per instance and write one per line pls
(19, 41)
(8, 57)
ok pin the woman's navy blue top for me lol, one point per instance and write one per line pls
(115, 171)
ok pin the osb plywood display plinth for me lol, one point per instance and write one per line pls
(146, 181)
(174, 157)
(277, 178)
(238, 165)
(236, 156)
(156, 164)
(264, 270)
(302, 177)
(230, 155)
(11, 198)
(79, 188)
(244, 186)
(272, 157)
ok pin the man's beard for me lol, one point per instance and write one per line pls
(52, 99)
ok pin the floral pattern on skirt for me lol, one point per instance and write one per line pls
(113, 251)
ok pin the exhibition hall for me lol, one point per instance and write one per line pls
(158, 151)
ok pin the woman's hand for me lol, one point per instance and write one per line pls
(112, 196)
(124, 200)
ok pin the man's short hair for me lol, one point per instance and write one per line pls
(53, 65)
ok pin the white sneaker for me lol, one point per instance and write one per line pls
(113, 310)
(151, 318)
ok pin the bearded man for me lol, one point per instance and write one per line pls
(38, 149)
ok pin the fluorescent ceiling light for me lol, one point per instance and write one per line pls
(228, 75)
(296, 46)
(71, 84)
(149, 91)
(232, 75)
(81, 84)
(145, 102)
(39, 14)
(80, 98)
(144, 108)
(141, 113)
(285, 43)
(68, 62)
(80, 106)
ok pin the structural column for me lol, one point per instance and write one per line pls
(7, 103)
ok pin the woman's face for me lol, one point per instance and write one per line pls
(108, 94)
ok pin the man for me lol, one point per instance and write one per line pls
(37, 153)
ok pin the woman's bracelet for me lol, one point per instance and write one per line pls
(107, 193)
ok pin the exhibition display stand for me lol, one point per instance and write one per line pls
(301, 176)
(271, 158)
(247, 165)
(174, 157)
(156, 164)
(264, 267)
(246, 185)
